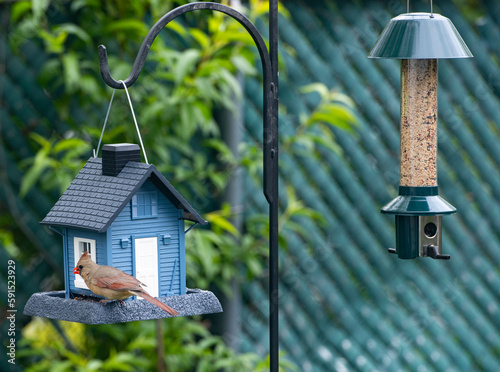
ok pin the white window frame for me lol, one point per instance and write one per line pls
(153, 195)
(79, 244)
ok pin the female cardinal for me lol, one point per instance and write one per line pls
(112, 283)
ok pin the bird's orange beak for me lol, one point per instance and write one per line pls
(76, 271)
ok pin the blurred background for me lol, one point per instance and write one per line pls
(345, 303)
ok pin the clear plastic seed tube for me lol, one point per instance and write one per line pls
(418, 122)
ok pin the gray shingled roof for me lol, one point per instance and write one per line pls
(93, 201)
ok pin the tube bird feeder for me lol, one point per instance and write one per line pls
(419, 40)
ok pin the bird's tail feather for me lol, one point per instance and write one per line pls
(154, 301)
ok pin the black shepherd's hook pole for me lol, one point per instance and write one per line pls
(270, 89)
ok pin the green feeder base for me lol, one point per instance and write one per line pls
(418, 212)
(417, 201)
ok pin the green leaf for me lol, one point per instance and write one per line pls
(94, 365)
(319, 88)
(78, 4)
(71, 70)
(69, 144)
(255, 266)
(222, 223)
(334, 114)
(338, 97)
(225, 153)
(177, 27)
(40, 140)
(243, 65)
(228, 37)
(328, 141)
(89, 86)
(71, 28)
(186, 64)
(129, 24)
(54, 42)
(19, 9)
(201, 38)
(39, 7)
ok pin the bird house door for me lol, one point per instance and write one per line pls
(146, 263)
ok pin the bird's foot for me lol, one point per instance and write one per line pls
(105, 301)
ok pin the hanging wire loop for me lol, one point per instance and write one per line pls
(96, 152)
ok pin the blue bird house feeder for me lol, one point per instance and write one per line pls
(125, 214)
(419, 40)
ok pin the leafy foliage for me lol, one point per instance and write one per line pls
(335, 109)
(189, 346)
(178, 90)
(54, 165)
(223, 252)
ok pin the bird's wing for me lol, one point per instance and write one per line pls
(114, 278)
(120, 282)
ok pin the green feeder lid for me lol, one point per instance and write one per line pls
(417, 201)
(420, 36)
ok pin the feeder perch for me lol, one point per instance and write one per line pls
(125, 214)
(419, 40)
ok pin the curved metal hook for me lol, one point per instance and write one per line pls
(270, 108)
(155, 30)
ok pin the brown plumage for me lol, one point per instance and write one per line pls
(112, 283)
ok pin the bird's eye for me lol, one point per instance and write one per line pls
(80, 267)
